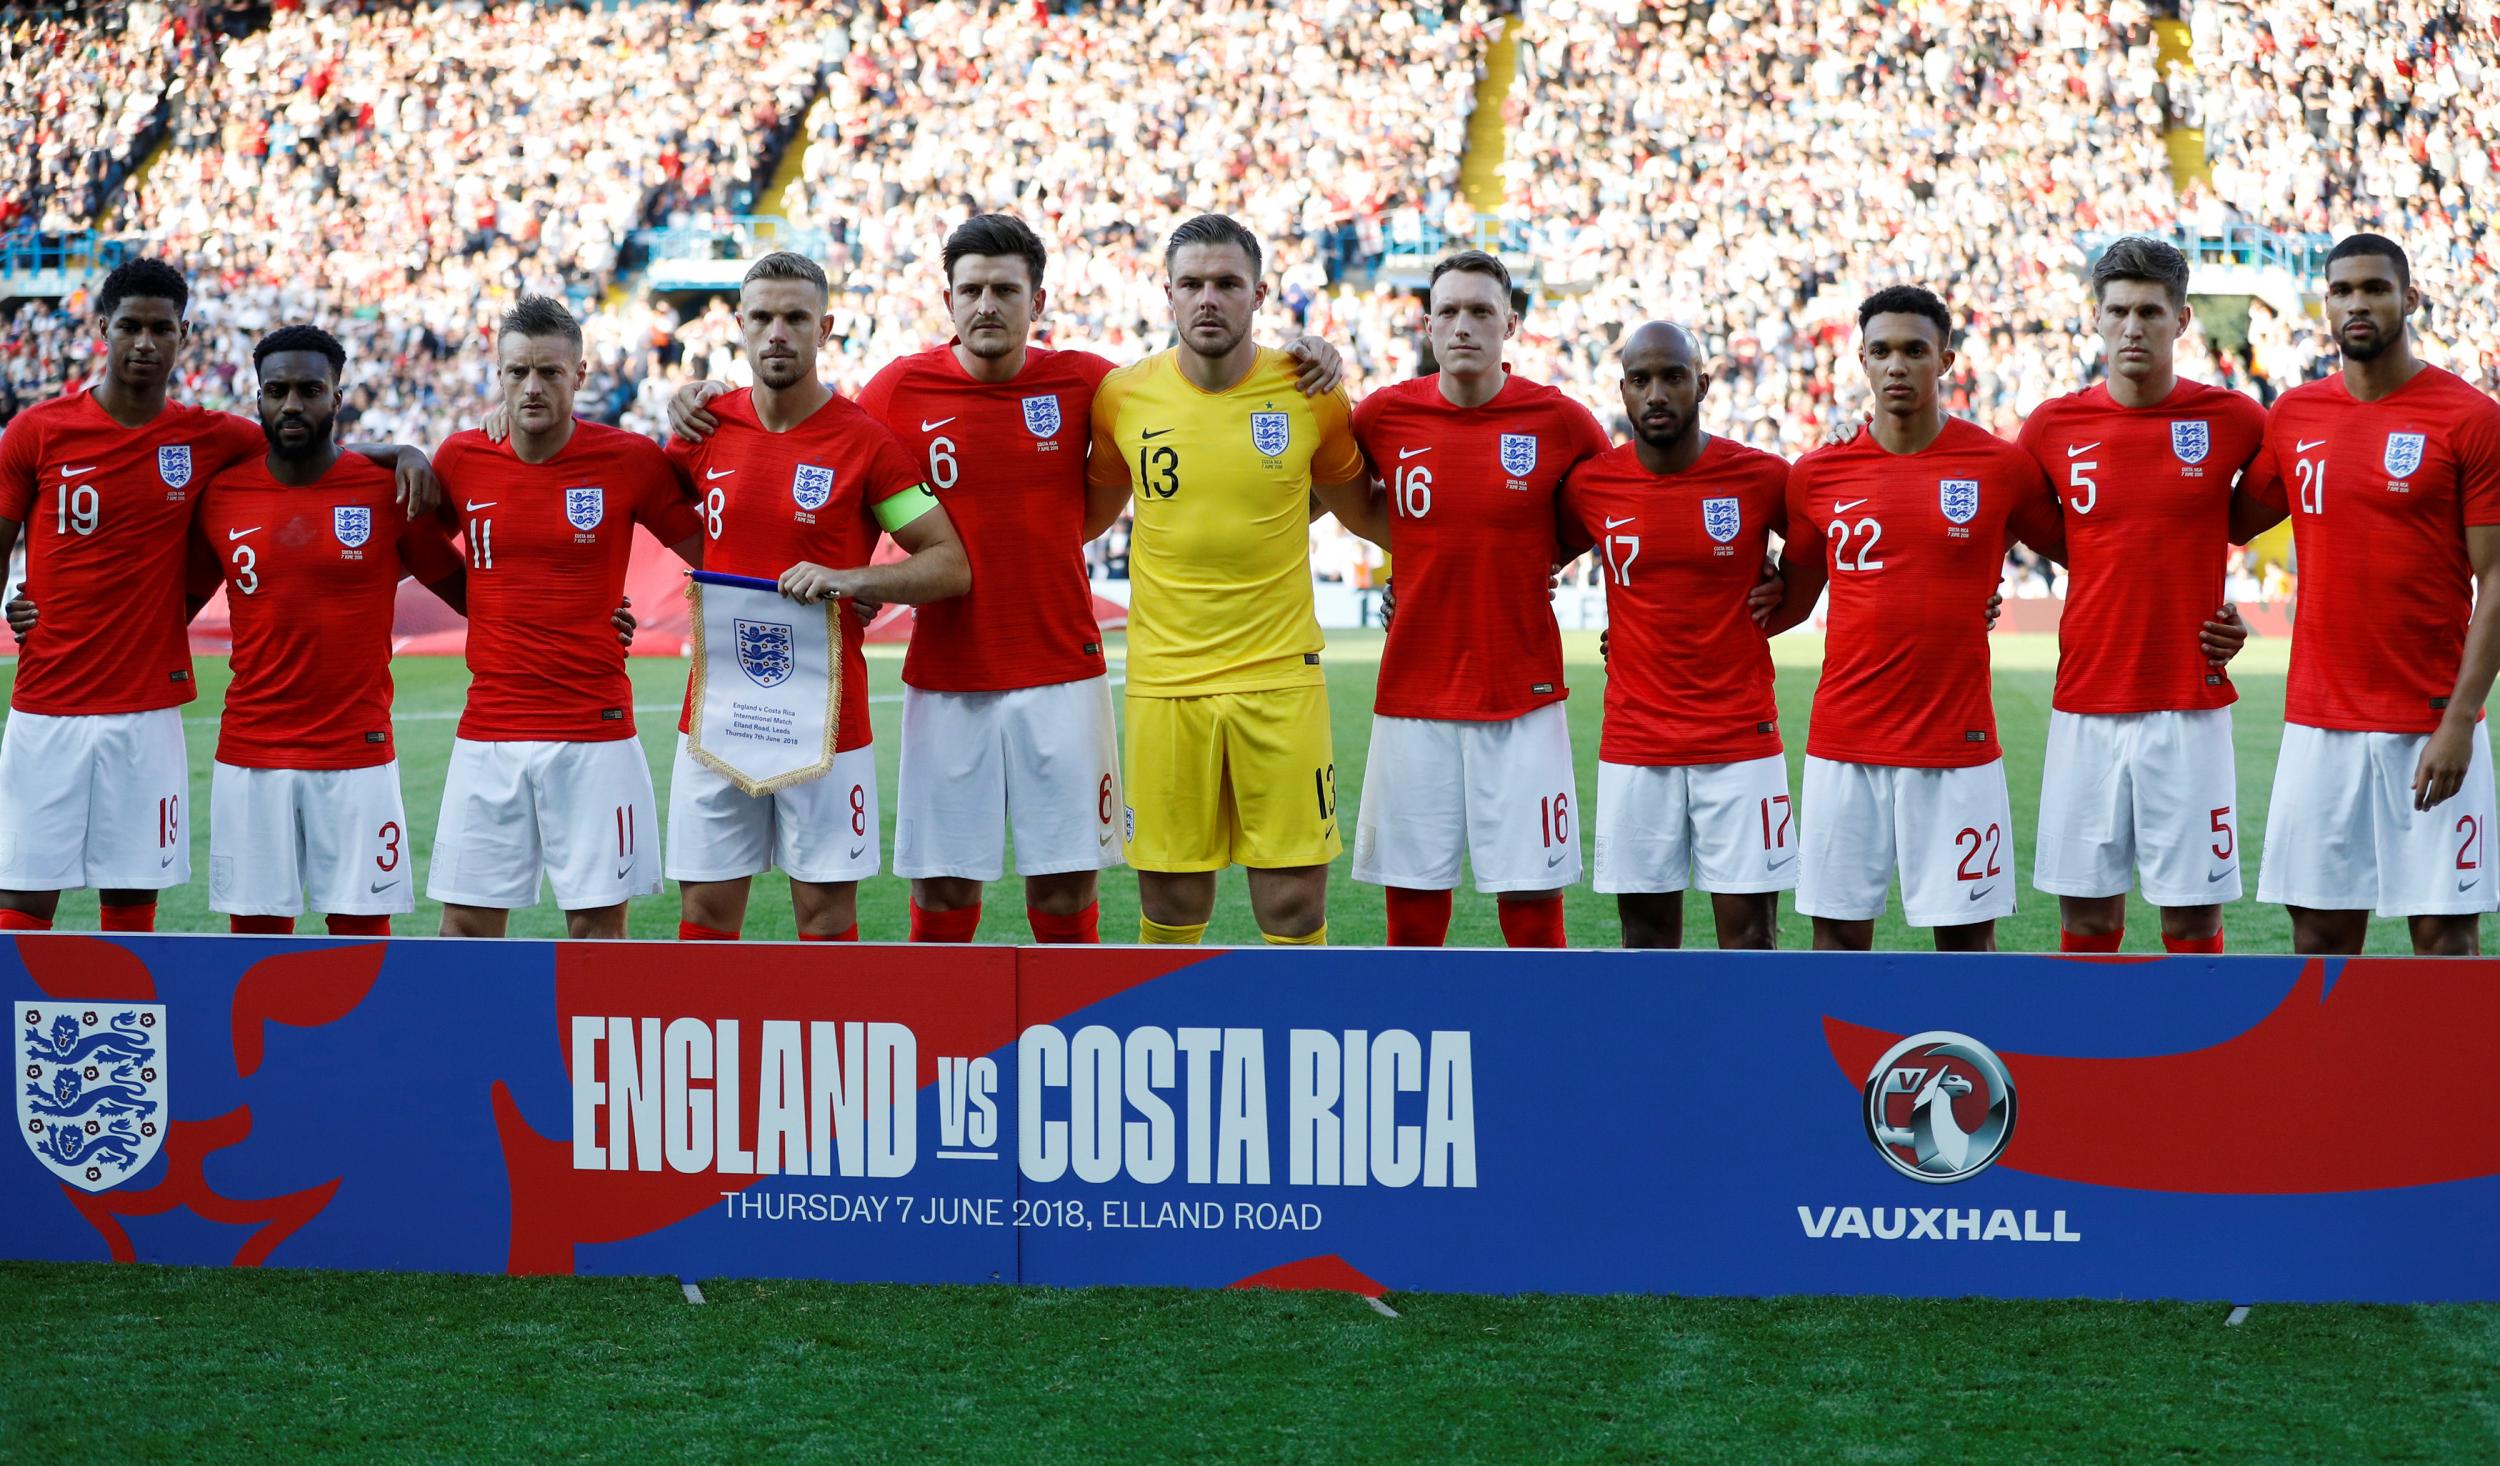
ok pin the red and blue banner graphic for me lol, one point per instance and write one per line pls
(2249, 1129)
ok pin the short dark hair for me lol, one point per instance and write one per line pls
(153, 279)
(538, 316)
(2352, 245)
(1471, 262)
(2138, 258)
(784, 264)
(995, 236)
(302, 338)
(1908, 300)
(1216, 229)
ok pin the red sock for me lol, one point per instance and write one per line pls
(256, 926)
(342, 925)
(847, 934)
(2084, 942)
(687, 931)
(1083, 927)
(2212, 944)
(129, 918)
(23, 921)
(1532, 923)
(944, 926)
(1422, 918)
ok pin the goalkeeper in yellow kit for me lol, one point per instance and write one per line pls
(1228, 754)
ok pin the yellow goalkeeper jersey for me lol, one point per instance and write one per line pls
(1220, 552)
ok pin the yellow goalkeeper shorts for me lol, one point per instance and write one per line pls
(1231, 777)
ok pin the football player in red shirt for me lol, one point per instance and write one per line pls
(545, 769)
(1470, 748)
(1902, 764)
(1692, 785)
(2139, 771)
(797, 482)
(304, 792)
(93, 769)
(2383, 789)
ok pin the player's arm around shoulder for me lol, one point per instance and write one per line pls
(1341, 479)
(21, 462)
(2036, 517)
(1803, 570)
(1106, 466)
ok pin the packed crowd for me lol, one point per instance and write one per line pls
(85, 94)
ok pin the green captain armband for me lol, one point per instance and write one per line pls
(901, 509)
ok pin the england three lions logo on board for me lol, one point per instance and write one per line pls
(173, 465)
(2404, 453)
(1959, 498)
(2191, 441)
(352, 524)
(1041, 415)
(811, 486)
(584, 508)
(1722, 518)
(765, 652)
(92, 1103)
(1939, 1107)
(1518, 454)
(1270, 432)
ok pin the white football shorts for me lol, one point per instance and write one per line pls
(341, 834)
(584, 812)
(94, 800)
(1948, 831)
(2342, 833)
(2159, 791)
(1042, 761)
(1729, 828)
(1499, 793)
(823, 831)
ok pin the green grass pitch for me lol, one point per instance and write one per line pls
(224, 1365)
(430, 690)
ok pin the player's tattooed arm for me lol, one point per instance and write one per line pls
(933, 568)
(687, 417)
(2445, 759)
(1322, 369)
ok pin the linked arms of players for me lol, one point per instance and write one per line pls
(934, 567)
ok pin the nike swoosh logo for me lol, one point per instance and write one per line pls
(624, 870)
(2305, 447)
(473, 508)
(718, 473)
(2086, 448)
(1554, 860)
(1982, 891)
(68, 472)
(2217, 876)
(1157, 433)
(167, 860)
(931, 427)
(1612, 523)
(1845, 508)
(1776, 864)
(378, 887)
(1411, 452)
(857, 851)
(2469, 884)
(1103, 840)
(235, 534)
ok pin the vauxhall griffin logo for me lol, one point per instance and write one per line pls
(91, 1096)
(1939, 1107)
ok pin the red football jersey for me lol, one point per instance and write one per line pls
(1007, 459)
(547, 547)
(1915, 544)
(107, 511)
(1688, 673)
(771, 500)
(2380, 494)
(1473, 491)
(311, 576)
(2146, 493)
